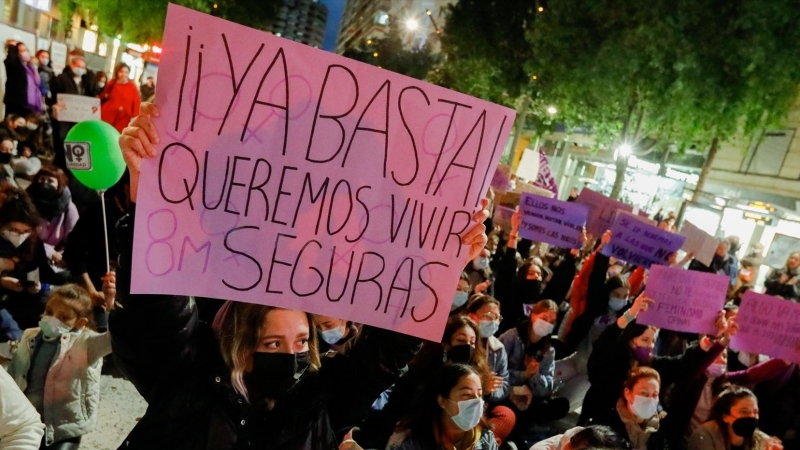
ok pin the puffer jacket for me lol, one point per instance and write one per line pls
(72, 386)
(174, 361)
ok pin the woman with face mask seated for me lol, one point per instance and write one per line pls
(480, 274)
(626, 344)
(334, 333)
(693, 394)
(449, 415)
(25, 271)
(635, 416)
(485, 311)
(516, 287)
(463, 291)
(733, 425)
(50, 193)
(258, 382)
(531, 367)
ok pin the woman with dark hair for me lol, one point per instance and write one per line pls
(449, 415)
(516, 287)
(733, 425)
(23, 85)
(636, 415)
(24, 262)
(463, 291)
(626, 344)
(50, 193)
(120, 99)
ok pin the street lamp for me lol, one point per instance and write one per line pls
(552, 110)
(412, 24)
(625, 150)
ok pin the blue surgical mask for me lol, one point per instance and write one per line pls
(644, 407)
(459, 299)
(542, 328)
(616, 303)
(480, 263)
(469, 413)
(489, 327)
(332, 336)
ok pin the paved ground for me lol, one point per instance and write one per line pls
(120, 407)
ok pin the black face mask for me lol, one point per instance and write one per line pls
(276, 374)
(744, 427)
(47, 191)
(460, 354)
(5, 158)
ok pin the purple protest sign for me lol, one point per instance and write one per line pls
(552, 221)
(640, 243)
(602, 211)
(768, 326)
(685, 300)
(501, 178)
(292, 177)
(502, 216)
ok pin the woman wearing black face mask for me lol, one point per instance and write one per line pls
(259, 385)
(53, 201)
(732, 425)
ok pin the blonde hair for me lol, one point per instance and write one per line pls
(240, 335)
(78, 299)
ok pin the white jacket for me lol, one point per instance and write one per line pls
(72, 386)
(20, 425)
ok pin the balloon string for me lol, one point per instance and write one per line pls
(105, 228)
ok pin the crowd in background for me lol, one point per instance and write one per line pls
(542, 348)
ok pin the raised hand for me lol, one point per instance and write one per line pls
(137, 141)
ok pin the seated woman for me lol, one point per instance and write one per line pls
(24, 266)
(485, 311)
(449, 415)
(635, 416)
(50, 194)
(334, 333)
(531, 367)
(732, 425)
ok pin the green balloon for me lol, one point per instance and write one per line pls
(93, 154)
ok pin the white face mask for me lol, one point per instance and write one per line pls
(79, 72)
(469, 413)
(459, 299)
(52, 328)
(480, 263)
(101, 84)
(542, 328)
(332, 336)
(644, 407)
(16, 239)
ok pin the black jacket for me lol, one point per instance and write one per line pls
(65, 84)
(16, 96)
(611, 361)
(611, 419)
(174, 362)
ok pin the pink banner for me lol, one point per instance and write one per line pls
(294, 177)
(602, 211)
(768, 326)
(545, 179)
(685, 300)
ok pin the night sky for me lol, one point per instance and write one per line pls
(335, 9)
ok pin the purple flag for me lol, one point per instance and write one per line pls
(545, 179)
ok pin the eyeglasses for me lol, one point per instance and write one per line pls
(493, 316)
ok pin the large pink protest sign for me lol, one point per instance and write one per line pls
(768, 326)
(685, 300)
(293, 177)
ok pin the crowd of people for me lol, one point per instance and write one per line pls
(542, 348)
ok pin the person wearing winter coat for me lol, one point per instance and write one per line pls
(636, 416)
(120, 99)
(625, 344)
(258, 380)
(783, 282)
(51, 195)
(449, 415)
(23, 94)
(733, 425)
(57, 365)
(21, 428)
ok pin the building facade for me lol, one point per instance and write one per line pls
(365, 21)
(302, 21)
